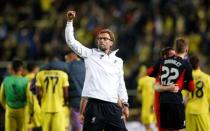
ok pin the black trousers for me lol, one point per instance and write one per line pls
(101, 115)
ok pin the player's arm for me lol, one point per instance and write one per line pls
(39, 92)
(189, 85)
(65, 95)
(171, 88)
(2, 96)
(153, 71)
(75, 45)
(83, 104)
(65, 88)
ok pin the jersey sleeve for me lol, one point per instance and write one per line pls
(189, 78)
(65, 80)
(153, 71)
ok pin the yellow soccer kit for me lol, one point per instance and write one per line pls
(52, 83)
(13, 96)
(197, 108)
(146, 87)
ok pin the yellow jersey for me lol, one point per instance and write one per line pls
(52, 83)
(199, 100)
(146, 87)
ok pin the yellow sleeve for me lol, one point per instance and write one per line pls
(2, 96)
(65, 80)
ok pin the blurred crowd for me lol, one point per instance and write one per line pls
(34, 29)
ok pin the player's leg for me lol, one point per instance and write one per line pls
(22, 119)
(58, 122)
(46, 122)
(10, 120)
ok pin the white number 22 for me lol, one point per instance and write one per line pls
(169, 75)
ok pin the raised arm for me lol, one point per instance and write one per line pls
(75, 45)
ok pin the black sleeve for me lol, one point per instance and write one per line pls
(154, 70)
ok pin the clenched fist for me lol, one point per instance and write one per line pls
(71, 15)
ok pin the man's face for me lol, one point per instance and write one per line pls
(104, 41)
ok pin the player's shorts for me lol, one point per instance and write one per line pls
(172, 116)
(197, 122)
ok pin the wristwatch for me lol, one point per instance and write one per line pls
(125, 104)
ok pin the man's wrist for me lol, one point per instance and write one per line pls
(125, 104)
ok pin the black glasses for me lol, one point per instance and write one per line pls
(104, 38)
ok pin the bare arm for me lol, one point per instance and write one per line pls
(171, 88)
(39, 93)
(83, 104)
(65, 95)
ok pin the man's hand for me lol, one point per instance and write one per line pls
(71, 15)
(81, 118)
(125, 112)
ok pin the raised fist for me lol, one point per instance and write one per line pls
(71, 15)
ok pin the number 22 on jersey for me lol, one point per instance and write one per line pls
(169, 75)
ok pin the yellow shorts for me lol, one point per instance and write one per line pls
(15, 119)
(197, 122)
(53, 121)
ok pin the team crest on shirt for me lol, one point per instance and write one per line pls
(93, 120)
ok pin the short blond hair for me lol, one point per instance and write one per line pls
(108, 31)
(181, 44)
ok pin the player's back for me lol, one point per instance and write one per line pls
(199, 100)
(175, 70)
(52, 83)
(15, 91)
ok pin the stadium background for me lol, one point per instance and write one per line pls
(34, 29)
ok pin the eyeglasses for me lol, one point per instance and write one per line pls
(104, 38)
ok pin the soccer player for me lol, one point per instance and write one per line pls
(153, 71)
(35, 111)
(104, 81)
(197, 106)
(76, 70)
(146, 91)
(13, 96)
(52, 92)
(175, 71)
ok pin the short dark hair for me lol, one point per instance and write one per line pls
(181, 45)
(108, 31)
(16, 64)
(194, 60)
(165, 51)
(31, 65)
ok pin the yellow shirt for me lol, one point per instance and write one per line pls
(52, 83)
(199, 100)
(146, 87)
